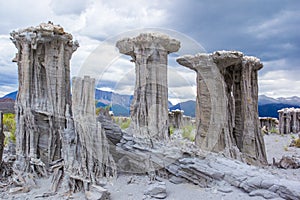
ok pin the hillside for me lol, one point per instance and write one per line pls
(12, 95)
(120, 104)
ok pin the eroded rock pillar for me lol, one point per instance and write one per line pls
(248, 135)
(149, 108)
(85, 147)
(289, 120)
(213, 121)
(226, 111)
(43, 59)
(176, 118)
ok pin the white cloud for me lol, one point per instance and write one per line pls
(106, 18)
(16, 14)
(93, 21)
(9, 70)
(280, 83)
(5, 89)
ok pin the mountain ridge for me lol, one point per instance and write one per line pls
(120, 104)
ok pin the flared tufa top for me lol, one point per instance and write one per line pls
(44, 32)
(148, 40)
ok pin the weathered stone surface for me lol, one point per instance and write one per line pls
(289, 120)
(149, 108)
(113, 131)
(2, 137)
(97, 193)
(289, 162)
(227, 96)
(177, 180)
(43, 59)
(202, 168)
(264, 193)
(157, 190)
(87, 159)
(225, 189)
(17, 190)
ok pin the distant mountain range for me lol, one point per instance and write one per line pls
(263, 100)
(187, 106)
(12, 95)
(120, 104)
(268, 106)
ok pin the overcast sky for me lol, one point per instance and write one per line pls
(267, 29)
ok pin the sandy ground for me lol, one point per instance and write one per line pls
(135, 191)
(120, 189)
(278, 146)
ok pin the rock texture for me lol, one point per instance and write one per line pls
(149, 108)
(87, 159)
(2, 137)
(157, 190)
(43, 59)
(205, 169)
(289, 120)
(227, 108)
(288, 162)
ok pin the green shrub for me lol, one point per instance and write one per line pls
(274, 130)
(293, 137)
(9, 123)
(98, 111)
(187, 132)
(171, 129)
(125, 123)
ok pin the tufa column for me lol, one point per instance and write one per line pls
(149, 108)
(226, 104)
(43, 59)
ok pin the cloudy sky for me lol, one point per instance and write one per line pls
(267, 29)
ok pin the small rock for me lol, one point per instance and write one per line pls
(97, 193)
(131, 180)
(157, 190)
(177, 180)
(225, 189)
(263, 193)
(17, 190)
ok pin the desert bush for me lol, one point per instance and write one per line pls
(9, 124)
(274, 130)
(98, 111)
(297, 142)
(171, 129)
(123, 122)
(187, 132)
